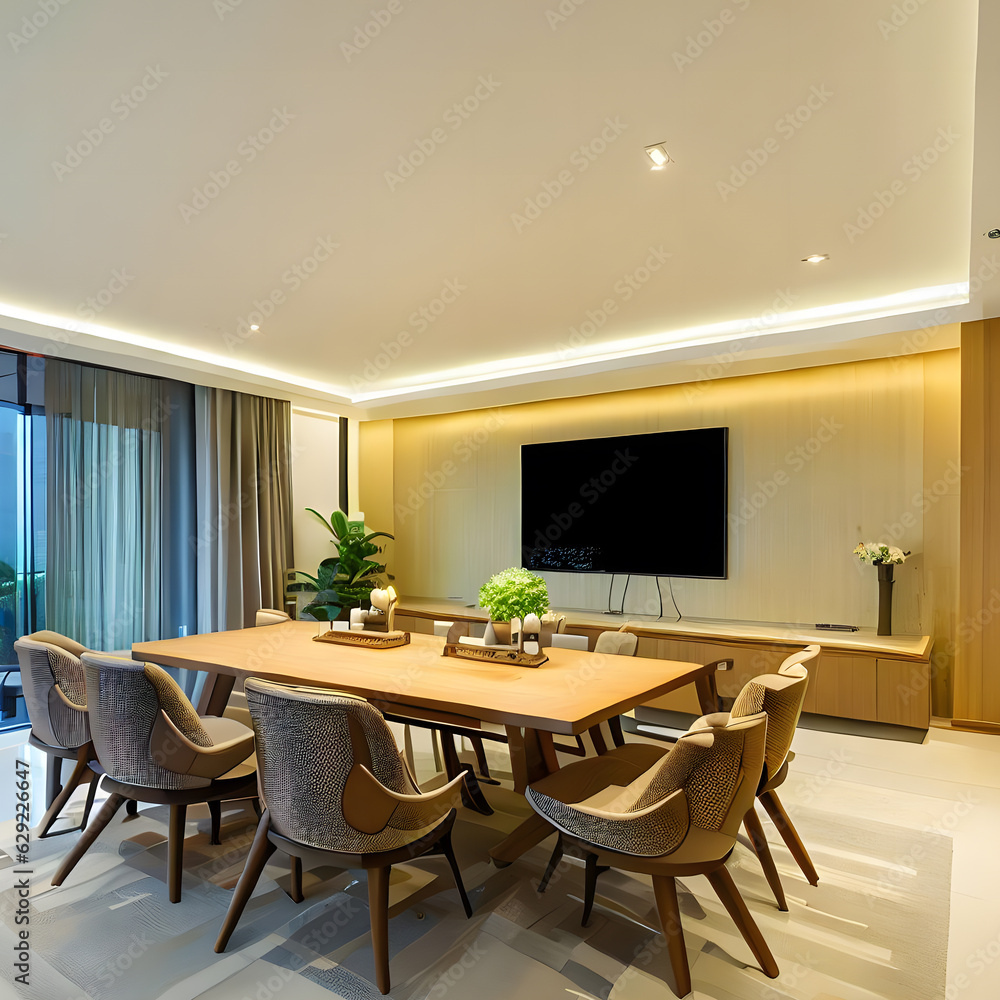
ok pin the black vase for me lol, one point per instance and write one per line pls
(884, 598)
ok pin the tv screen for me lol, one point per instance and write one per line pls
(646, 504)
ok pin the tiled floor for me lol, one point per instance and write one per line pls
(949, 785)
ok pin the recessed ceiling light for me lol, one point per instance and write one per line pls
(255, 327)
(659, 155)
(815, 258)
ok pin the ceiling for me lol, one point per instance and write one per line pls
(449, 202)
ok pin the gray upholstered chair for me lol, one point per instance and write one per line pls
(780, 696)
(336, 791)
(665, 816)
(153, 747)
(56, 698)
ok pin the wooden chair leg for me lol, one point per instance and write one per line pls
(260, 851)
(725, 889)
(445, 845)
(557, 853)
(378, 908)
(296, 879)
(665, 893)
(80, 772)
(590, 886)
(89, 804)
(760, 846)
(132, 807)
(255, 802)
(175, 851)
(215, 810)
(789, 835)
(101, 820)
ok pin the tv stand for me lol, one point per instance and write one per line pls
(858, 675)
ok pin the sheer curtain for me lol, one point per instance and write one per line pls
(104, 470)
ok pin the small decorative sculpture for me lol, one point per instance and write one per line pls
(381, 617)
(530, 635)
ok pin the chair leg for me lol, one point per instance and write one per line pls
(53, 780)
(789, 835)
(590, 886)
(665, 893)
(175, 851)
(445, 845)
(89, 804)
(215, 810)
(557, 853)
(101, 820)
(260, 851)
(760, 846)
(296, 879)
(255, 802)
(80, 771)
(725, 889)
(132, 807)
(378, 908)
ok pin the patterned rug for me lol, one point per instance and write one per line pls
(876, 926)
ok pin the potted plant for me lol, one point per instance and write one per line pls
(883, 557)
(346, 580)
(513, 593)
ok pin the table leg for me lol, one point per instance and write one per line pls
(708, 693)
(532, 756)
(215, 694)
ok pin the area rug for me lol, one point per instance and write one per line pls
(876, 926)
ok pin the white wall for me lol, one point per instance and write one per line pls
(315, 483)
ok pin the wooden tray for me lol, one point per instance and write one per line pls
(493, 654)
(369, 640)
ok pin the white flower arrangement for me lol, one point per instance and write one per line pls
(878, 553)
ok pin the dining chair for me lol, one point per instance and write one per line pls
(666, 816)
(155, 748)
(780, 696)
(271, 616)
(56, 699)
(336, 791)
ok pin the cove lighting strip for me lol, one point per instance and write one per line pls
(898, 304)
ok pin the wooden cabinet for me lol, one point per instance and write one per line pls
(858, 675)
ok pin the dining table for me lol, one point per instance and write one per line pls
(571, 692)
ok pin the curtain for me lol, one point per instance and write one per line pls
(103, 550)
(244, 505)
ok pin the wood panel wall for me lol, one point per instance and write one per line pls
(820, 459)
(977, 635)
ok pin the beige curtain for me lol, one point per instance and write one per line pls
(244, 540)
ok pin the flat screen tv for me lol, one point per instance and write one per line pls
(645, 504)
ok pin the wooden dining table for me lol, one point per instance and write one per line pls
(570, 693)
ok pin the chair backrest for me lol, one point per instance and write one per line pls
(718, 767)
(568, 640)
(780, 696)
(309, 740)
(271, 616)
(55, 691)
(618, 643)
(135, 708)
